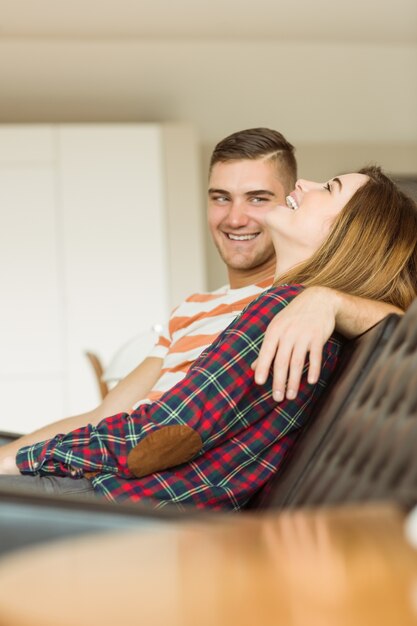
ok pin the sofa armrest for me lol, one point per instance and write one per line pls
(7, 437)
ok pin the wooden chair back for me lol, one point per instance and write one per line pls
(98, 373)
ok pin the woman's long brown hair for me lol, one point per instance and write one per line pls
(371, 250)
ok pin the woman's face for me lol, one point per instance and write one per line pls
(300, 228)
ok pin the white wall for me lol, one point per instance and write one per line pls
(312, 92)
(342, 94)
(86, 259)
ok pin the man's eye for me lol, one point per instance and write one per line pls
(258, 199)
(219, 198)
(327, 186)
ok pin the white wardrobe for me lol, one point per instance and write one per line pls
(101, 230)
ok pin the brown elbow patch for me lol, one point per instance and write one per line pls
(164, 448)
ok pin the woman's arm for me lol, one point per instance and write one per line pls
(131, 389)
(218, 399)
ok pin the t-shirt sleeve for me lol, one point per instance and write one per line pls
(163, 344)
(161, 347)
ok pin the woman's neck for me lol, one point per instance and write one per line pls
(286, 260)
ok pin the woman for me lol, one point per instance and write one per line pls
(217, 437)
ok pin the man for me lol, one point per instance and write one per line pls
(250, 168)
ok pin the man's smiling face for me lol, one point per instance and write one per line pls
(244, 244)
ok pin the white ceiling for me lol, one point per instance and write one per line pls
(373, 21)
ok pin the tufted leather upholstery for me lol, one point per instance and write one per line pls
(363, 444)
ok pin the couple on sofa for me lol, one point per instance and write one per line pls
(303, 258)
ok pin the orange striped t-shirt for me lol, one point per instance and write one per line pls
(193, 326)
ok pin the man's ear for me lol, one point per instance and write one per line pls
(164, 448)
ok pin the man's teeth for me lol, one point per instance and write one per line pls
(291, 203)
(241, 237)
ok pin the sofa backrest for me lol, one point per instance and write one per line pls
(358, 361)
(370, 452)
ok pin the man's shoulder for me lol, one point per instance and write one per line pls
(226, 291)
(219, 302)
(204, 296)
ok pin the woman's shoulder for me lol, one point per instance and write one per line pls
(274, 298)
(286, 292)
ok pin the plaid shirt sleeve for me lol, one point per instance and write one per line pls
(218, 398)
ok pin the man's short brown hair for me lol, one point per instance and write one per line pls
(259, 143)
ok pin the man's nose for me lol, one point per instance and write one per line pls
(237, 215)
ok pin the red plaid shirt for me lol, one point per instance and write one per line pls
(245, 433)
